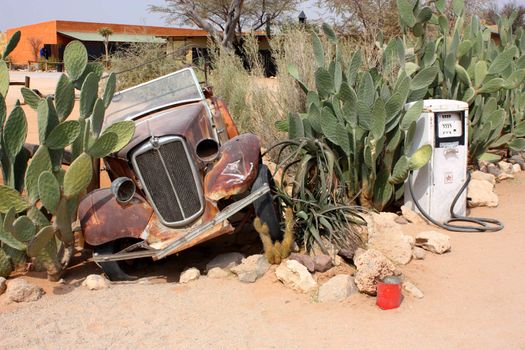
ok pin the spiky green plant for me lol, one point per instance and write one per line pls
(38, 199)
(360, 113)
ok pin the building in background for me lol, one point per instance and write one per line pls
(50, 38)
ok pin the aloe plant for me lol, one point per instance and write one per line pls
(38, 199)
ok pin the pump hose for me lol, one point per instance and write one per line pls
(482, 224)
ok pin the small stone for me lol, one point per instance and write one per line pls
(386, 235)
(296, 276)
(61, 281)
(478, 175)
(189, 275)
(494, 170)
(518, 159)
(516, 168)
(411, 215)
(483, 169)
(337, 261)
(481, 194)
(252, 268)
(413, 290)
(433, 241)
(401, 220)
(504, 176)
(323, 263)
(304, 259)
(225, 261)
(505, 167)
(337, 289)
(372, 267)
(96, 282)
(418, 253)
(21, 291)
(217, 273)
(3, 285)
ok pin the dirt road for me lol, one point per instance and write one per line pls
(474, 299)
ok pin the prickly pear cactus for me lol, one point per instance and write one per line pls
(37, 195)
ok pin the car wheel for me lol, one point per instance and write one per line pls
(266, 209)
(112, 269)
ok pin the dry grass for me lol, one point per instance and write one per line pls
(3, 41)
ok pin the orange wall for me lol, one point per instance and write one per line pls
(45, 32)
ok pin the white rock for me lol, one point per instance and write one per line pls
(296, 276)
(3, 285)
(337, 288)
(505, 167)
(481, 194)
(386, 235)
(189, 275)
(418, 253)
(504, 176)
(372, 266)
(433, 241)
(479, 175)
(413, 290)
(96, 282)
(252, 268)
(225, 261)
(20, 291)
(411, 215)
(217, 272)
(516, 168)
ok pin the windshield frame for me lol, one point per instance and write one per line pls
(159, 107)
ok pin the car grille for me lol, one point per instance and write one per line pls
(170, 181)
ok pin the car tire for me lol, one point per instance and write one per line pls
(265, 208)
(112, 269)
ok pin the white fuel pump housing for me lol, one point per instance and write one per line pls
(443, 125)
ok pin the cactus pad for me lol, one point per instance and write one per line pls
(78, 175)
(10, 198)
(6, 267)
(49, 191)
(10, 240)
(64, 97)
(4, 79)
(124, 130)
(47, 118)
(30, 97)
(63, 222)
(9, 218)
(104, 145)
(24, 229)
(11, 45)
(15, 133)
(63, 135)
(420, 157)
(40, 241)
(97, 118)
(75, 59)
(109, 91)
(88, 95)
(39, 163)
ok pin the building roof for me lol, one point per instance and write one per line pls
(114, 38)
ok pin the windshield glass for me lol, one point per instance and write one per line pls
(167, 90)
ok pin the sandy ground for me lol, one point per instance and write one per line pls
(474, 299)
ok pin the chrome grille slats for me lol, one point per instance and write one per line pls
(170, 180)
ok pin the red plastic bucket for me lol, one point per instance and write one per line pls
(389, 293)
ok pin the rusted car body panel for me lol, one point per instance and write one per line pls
(231, 172)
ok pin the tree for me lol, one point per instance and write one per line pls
(492, 14)
(106, 33)
(35, 44)
(223, 19)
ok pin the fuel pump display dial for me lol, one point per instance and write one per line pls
(449, 124)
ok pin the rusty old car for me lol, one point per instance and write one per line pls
(180, 179)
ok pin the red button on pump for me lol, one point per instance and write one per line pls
(389, 293)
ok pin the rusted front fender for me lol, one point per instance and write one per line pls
(236, 170)
(103, 219)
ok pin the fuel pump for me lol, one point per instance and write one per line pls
(437, 190)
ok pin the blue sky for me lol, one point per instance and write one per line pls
(15, 13)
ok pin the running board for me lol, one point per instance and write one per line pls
(157, 254)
